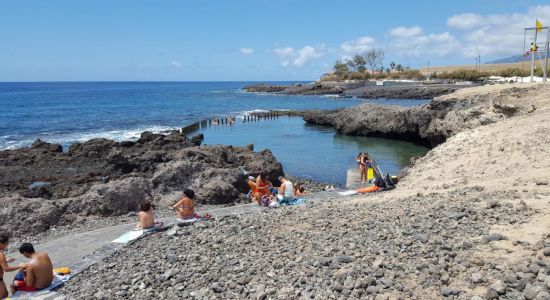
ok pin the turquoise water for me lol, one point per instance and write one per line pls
(312, 151)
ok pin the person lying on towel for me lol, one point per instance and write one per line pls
(146, 219)
(37, 274)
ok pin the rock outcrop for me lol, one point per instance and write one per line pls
(42, 186)
(403, 92)
(308, 89)
(430, 124)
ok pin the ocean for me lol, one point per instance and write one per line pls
(68, 112)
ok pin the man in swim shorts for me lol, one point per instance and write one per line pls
(37, 274)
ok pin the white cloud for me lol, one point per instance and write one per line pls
(306, 54)
(246, 51)
(300, 57)
(409, 41)
(465, 21)
(359, 45)
(498, 34)
(176, 64)
(405, 32)
(471, 34)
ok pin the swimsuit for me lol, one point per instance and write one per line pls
(25, 288)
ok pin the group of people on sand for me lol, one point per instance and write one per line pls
(34, 275)
(262, 190)
(185, 210)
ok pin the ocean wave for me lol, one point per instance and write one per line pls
(254, 111)
(9, 142)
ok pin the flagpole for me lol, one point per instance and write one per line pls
(523, 53)
(533, 50)
(546, 58)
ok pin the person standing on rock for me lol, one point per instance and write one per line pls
(4, 267)
(185, 208)
(37, 273)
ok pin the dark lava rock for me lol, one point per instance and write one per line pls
(105, 178)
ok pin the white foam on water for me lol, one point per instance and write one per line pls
(7, 142)
(254, 111)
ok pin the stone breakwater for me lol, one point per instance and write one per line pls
(41, 186)
(430, 124)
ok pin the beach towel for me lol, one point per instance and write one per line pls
(128, 236)
(57, 281)
(347, 193)
(368, 189)
(187, 221)
(294, 201)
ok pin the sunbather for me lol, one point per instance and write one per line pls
(4, 267)
(286, 190)
(299, 189)
(260, 188)
(185, 208)
(146, 217)
(37, 274)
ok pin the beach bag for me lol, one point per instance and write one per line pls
(265, 201)
(380, 182)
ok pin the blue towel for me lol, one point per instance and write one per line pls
(294, 201)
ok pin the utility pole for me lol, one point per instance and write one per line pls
(479, 62)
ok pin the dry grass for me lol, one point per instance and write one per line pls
(484, 67)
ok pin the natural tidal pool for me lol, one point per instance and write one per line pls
(311, 151)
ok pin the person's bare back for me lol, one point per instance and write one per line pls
(146, 219)
(39, 271)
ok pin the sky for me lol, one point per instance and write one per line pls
(248, 40)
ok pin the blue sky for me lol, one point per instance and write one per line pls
(57, 40)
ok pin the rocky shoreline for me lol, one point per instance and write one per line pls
(463, 224)
(370, 91)
(430, 124)
(103, 178)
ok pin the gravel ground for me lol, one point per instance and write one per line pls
(311, 185)
(416, 247)
(471, 220)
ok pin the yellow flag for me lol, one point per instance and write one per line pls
(538, 26)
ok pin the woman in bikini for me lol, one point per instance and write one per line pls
(4, 267)
(185, 208)
(262, 187)
(361, 165)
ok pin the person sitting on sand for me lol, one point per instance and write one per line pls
(185, 208)
(4, 267)
(37, 274)
(286, 190)
(299, 189)
(146, 218)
